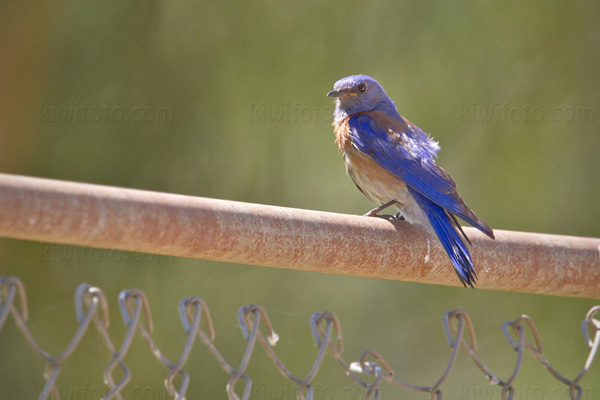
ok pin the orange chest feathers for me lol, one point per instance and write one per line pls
(342, 136)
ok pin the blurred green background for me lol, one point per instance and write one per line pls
(227, 100)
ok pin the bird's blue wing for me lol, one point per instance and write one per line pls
(409, 155)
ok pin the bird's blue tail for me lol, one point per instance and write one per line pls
(449, 232)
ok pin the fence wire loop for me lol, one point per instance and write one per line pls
(318, 334)
(380, 372)
(247, 388)
(454, 342)
(389, 372)
(575, 392)
(91, 305)
(84, 295)
(200, 306)
(591, 324)
(305, 392)
(246, 324)
(519, 348)
(459, 315)
(9, 287)
(517, 326)
(140, 299)
(250, 331)
(372, 369)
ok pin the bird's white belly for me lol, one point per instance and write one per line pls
(381, 187)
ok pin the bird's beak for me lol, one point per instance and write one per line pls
(341, 93)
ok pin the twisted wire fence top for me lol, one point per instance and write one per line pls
(369, 372)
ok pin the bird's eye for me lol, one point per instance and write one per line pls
(362, 87)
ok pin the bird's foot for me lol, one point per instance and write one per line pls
(387, 217)
(392, 218)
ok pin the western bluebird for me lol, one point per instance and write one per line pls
(392, 162)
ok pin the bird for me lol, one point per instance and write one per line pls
(392, 162)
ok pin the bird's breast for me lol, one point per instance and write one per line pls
(377, 183)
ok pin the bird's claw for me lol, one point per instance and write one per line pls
(391, 218)
(399, 217)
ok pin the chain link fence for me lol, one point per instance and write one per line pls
(369, 372)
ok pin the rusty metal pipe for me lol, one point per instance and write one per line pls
(184, 226)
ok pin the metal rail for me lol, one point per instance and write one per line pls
(184, 226)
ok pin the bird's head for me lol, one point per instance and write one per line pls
(360, 93)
